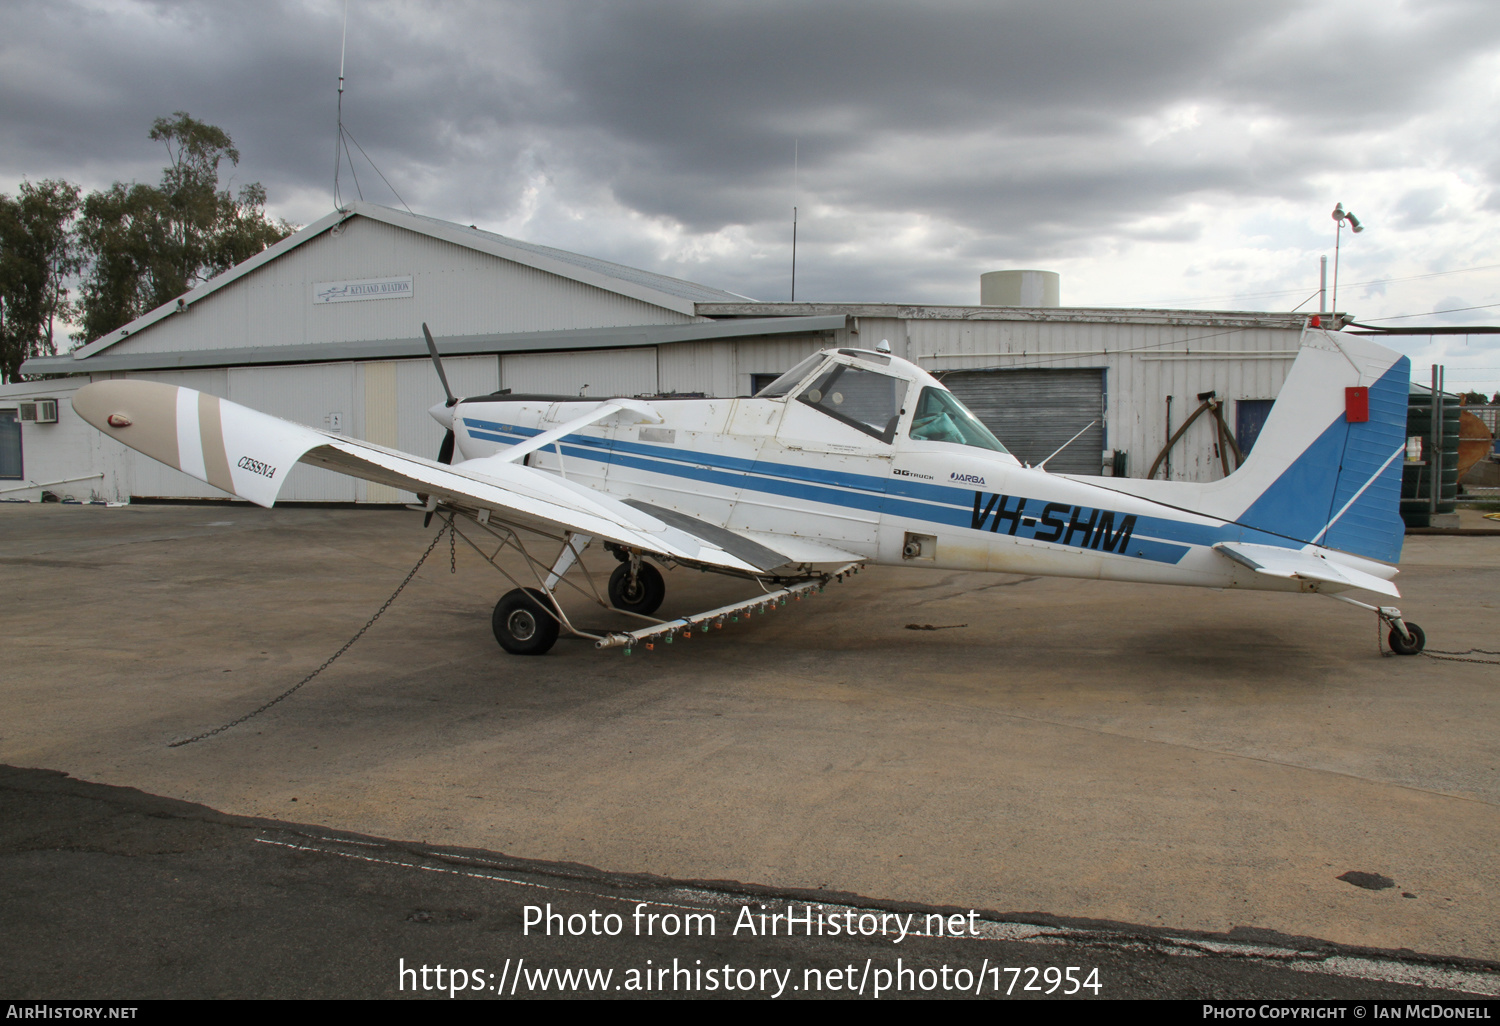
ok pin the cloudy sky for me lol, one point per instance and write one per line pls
(1156, 153)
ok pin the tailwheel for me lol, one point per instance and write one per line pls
(1402, 645)
(637, 587)
(524, 623)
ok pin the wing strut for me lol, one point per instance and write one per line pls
(643, 412)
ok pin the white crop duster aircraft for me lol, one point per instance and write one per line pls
(852, 457)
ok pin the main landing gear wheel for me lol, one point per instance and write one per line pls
(1401, 646)
(642, 593)
(524, 623)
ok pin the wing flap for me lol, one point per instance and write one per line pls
(804, 550)
(762, 556)
(1304, 564)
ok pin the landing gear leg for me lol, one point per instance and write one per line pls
(528, 620)
(523, 622)
(1410, 644)
(637, 587)
(1406, 638)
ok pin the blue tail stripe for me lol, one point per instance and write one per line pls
(1307, 495)
(1372, 525)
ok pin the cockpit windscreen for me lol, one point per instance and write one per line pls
(941, 417)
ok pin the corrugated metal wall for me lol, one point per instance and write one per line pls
(724, 368)
(1143, 364)
(602, 372)
(457, 291)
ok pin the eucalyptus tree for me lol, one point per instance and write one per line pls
(148, 244)
(39, 255)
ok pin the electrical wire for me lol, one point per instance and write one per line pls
(1351, 285)
(383, 178)
(1434, 313)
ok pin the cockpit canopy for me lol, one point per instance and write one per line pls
(871, 391)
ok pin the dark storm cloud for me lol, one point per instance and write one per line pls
(1022, 131)
(704, 95)
(84, 84)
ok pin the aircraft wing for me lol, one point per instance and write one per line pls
(249, 454)
(1304, 564)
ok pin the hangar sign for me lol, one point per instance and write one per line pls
(364, 288)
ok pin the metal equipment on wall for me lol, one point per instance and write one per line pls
(1429, 480)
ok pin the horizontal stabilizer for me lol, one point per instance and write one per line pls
(1304, 564)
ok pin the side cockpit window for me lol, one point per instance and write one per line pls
(864, 399)
(789, 380)
(940, 417)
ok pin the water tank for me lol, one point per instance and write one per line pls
(1019, 288)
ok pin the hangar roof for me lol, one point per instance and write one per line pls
(657, 289)
(624, 337)
(660, 282)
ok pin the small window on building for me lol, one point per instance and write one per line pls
(11, 467)
(1249, 417)
(860, 398)
(760, 382)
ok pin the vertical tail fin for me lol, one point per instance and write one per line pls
(1319, 473)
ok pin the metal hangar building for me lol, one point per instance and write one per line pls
(324, 328)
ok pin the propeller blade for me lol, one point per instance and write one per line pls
(445, 456)
(438, 363)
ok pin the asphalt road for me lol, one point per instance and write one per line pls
(1175, 763)
(114, 894)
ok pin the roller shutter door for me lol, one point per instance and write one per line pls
(1035, 411)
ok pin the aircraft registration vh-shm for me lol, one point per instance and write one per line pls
(853, 457)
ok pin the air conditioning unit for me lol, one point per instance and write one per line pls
(42, 411)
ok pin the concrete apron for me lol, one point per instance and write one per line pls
(1168, 757)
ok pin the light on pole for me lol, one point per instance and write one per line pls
(1341, 215)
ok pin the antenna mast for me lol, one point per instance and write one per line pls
(338, 155)
(794, 219)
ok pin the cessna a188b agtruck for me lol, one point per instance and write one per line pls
(853, 457)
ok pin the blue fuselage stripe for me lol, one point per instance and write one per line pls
(1153, 538)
